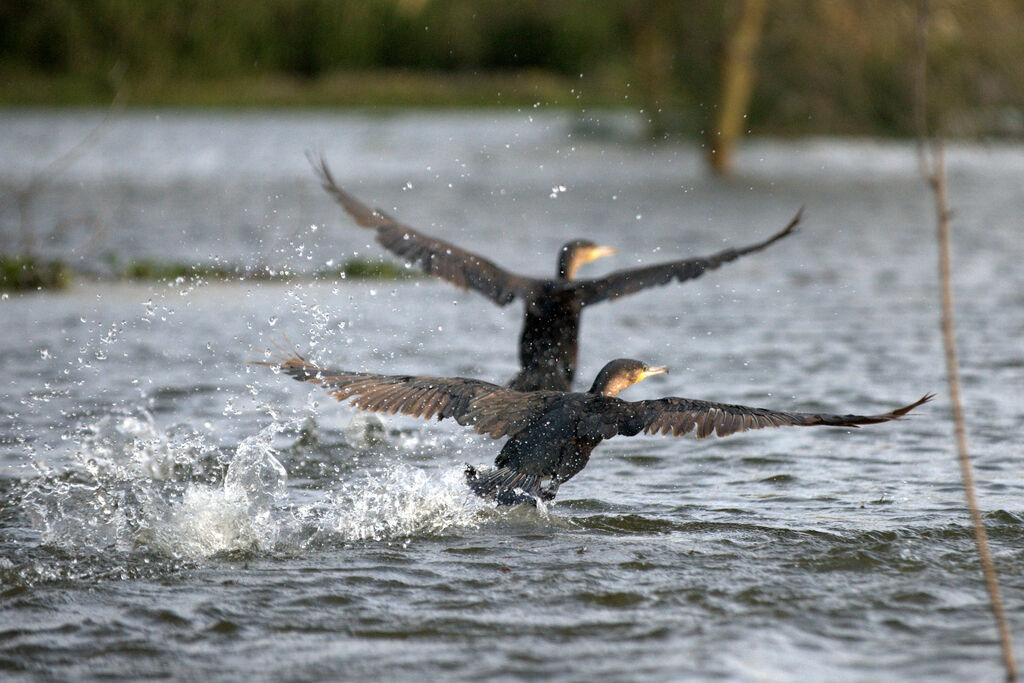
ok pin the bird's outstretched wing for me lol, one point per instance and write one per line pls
(680, 416)
(487, 408)
(623, 282)
(436, 257)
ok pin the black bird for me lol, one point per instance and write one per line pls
(551, 433)
(549, 340)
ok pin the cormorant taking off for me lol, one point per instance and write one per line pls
(551, 433)
(548, 342)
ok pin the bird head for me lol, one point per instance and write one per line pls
(574, 254)
(621, 374)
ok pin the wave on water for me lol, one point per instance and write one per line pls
(133, 488)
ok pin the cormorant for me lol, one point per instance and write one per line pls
(551, 433)
(548, 342)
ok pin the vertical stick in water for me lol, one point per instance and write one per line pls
(937, 180)
(737, 84)
(934, 170)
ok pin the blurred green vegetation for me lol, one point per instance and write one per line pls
(25, 273)
(843, 66)
(356, 269)
(146, 269)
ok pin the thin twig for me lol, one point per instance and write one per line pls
(937, 181)
(934, 171)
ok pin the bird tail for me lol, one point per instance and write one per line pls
(503, 485)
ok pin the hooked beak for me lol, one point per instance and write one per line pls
(655, 370)
(597, 252)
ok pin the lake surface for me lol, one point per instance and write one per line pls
(167, 511)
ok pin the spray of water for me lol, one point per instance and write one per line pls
(402, 501)
(127, 486)
(132, 488)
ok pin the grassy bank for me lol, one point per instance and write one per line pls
(356, 89)
(842, 67)
(28, 274)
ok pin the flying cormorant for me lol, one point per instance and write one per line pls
(551, 433)
(548, 342)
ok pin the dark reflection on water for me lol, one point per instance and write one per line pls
(167, 511)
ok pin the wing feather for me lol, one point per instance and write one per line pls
(680, 416)
(623, 282)
(435, 257)
(487, 408)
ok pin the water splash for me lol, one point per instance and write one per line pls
(98, 503)
(131, 488)
(366, 430)
(240, 514)
(402, 501)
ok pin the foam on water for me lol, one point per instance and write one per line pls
(403, 501)
(131, 487)
(239, 514)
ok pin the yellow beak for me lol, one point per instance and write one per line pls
(595, 253)
(656, 370)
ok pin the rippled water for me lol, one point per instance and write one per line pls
(168, 511)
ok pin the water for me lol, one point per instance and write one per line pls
(168, 511)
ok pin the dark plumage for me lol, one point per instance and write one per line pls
(549, 340)
(552, 433)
